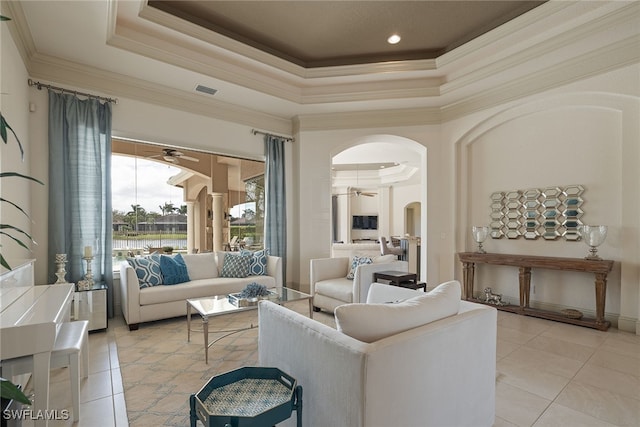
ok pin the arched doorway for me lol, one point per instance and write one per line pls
(378, 190)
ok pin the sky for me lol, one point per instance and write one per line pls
(153, 190)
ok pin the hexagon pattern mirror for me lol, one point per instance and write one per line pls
(548, 213)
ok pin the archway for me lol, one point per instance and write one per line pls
(374, 181)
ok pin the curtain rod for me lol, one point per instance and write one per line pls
(75, 92)
(286, 138)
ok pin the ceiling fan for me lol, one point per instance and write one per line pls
(172, 156)
(358, 193)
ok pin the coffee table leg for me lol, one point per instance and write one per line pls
(188, 322)
(205, 328)
(310, 308)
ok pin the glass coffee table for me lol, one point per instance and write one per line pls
(219, 304)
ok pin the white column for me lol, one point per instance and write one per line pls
(218, 221)
(191, 227)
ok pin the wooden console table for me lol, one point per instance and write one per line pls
(600, 268)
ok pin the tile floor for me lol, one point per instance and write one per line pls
(548, 374)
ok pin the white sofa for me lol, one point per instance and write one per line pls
(166, 301)
(329, 284)
(439, 374)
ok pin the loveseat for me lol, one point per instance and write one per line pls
(440, 373)
(342, 280)
(142, 302)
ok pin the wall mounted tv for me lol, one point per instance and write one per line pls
(364, 222)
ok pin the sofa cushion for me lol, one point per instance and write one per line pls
(355, 262)
(258, 263)
(174, 270)
(372, 322)
(385, 259)
(235, 265)
(147, 269)
(200, 288)
(340, 288)
(201, 266)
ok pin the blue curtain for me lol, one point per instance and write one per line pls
(80, 187)
(275, 217)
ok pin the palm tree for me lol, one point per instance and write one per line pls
(182, 210)
(134, 216)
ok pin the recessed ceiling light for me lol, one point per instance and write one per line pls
(393, 39)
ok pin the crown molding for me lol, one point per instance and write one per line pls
(19, 29)
(113, 84)
(369, 119)
(608, 58)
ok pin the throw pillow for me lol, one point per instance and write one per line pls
(235, 265)
(147, 269)
(384, 259)
(174, 270)
(372, 322)
(201, 266)
(258, 263)
(355, 262)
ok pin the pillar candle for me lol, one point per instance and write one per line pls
(88, 252)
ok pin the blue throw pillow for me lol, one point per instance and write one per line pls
(357, 260)
(147, 269)
(174, 269)
(258, 263)
(235, 265)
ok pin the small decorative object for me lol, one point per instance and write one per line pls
(251, 295)
(254, 290)
(480, 234)
(88, 277)
(491, 298)
(593, 236)
(571, 313)
(61, 261)
(84, 285)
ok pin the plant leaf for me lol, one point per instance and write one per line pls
(3, 129)
(9, 391)
(18, 241)
(4, 18)
(16, 206)
(19, 175)
(4, 263)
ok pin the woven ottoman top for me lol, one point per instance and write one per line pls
(247, 397)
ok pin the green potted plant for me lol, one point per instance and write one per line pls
(9, 391)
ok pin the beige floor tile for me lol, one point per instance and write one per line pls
(600, 403)
(96, 386)
(577, 335)
(534, 360)
(504, 348)
(99, 360)
(514, 335)
(616, 361)
(574, 351)
(558, 415)
(116, 381)
(541, 383)
(97, 412)
(613, 381)
(500, 422)
(530, 325)
(518, 406)
(623, 345)
(120, 410)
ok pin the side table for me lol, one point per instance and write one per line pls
(401, 279)
(91, 305)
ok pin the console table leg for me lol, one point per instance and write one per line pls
(467, 279)
(601, 294)
(525, 286)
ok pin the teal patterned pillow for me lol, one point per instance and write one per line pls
(357, 260)
(235, 265)
(258, 264)
(147, 269)
(174, 269)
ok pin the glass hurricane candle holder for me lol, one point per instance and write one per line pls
(593, 236)
(480, 234)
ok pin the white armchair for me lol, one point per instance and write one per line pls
(439, 374)
(331, 288)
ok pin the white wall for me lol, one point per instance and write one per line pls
(14, 105)
(585, 133)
